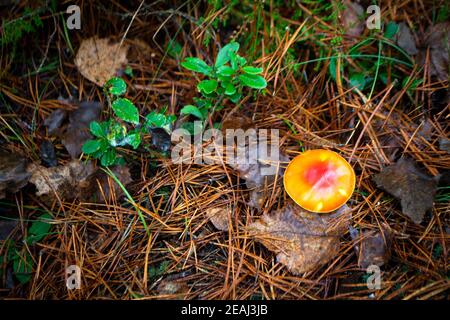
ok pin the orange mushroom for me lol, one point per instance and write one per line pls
(319, 180)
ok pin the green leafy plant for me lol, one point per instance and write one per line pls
(19, 256)
(156, 271)
(14, 30)
(114, 133)
(225, 79)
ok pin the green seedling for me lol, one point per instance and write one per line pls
(225, 79)
(116, 132)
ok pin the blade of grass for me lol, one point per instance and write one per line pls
(129, 197)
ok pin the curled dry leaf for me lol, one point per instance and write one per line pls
(98, 60)
(13, 173)
(219, 217)
(437, 40)
(405, 39)
(352, 19)
(406, 182)
(63, 180)
(54, 121)
(78, 180)
(76, 132)
(302, 241)
(373, 247)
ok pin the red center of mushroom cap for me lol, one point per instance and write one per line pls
(320, 175)
(319, 180)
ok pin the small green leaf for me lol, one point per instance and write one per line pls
(22, 266)
(384, 77)
(203, 103)
(160, 120)
(225, 53)
(120, 161)
(252, 70)
(332, 68)
(230, 89)
(391, 30)
(39, 229)
(155, 119)
(224, 78)
(97, 129)
(128, 71)
(358, 80)
(108, 158)
(126, 110)
(116, 86)
(241, 60)
(236, 97)
(174, 49)
(207, 86)
(197, 65)
(116, 135)
(225, 71)
(134, 140)
(91, 146)
(253, 81)
(192, 110)
(234, 61)
(155, 272)
(411, 85)
(194, 128)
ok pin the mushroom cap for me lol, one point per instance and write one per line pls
(319, 180)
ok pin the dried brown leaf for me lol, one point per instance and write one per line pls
(98, 60)
(405, 39)
(54, 121)
(13, 173)
(352, 19)
(78, 180)
(75, 132)
(406, 182)
(437, 40)
(373, 247)
(303, 241)
(219, 217)
(64, 180)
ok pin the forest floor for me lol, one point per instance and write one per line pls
(149, 228)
